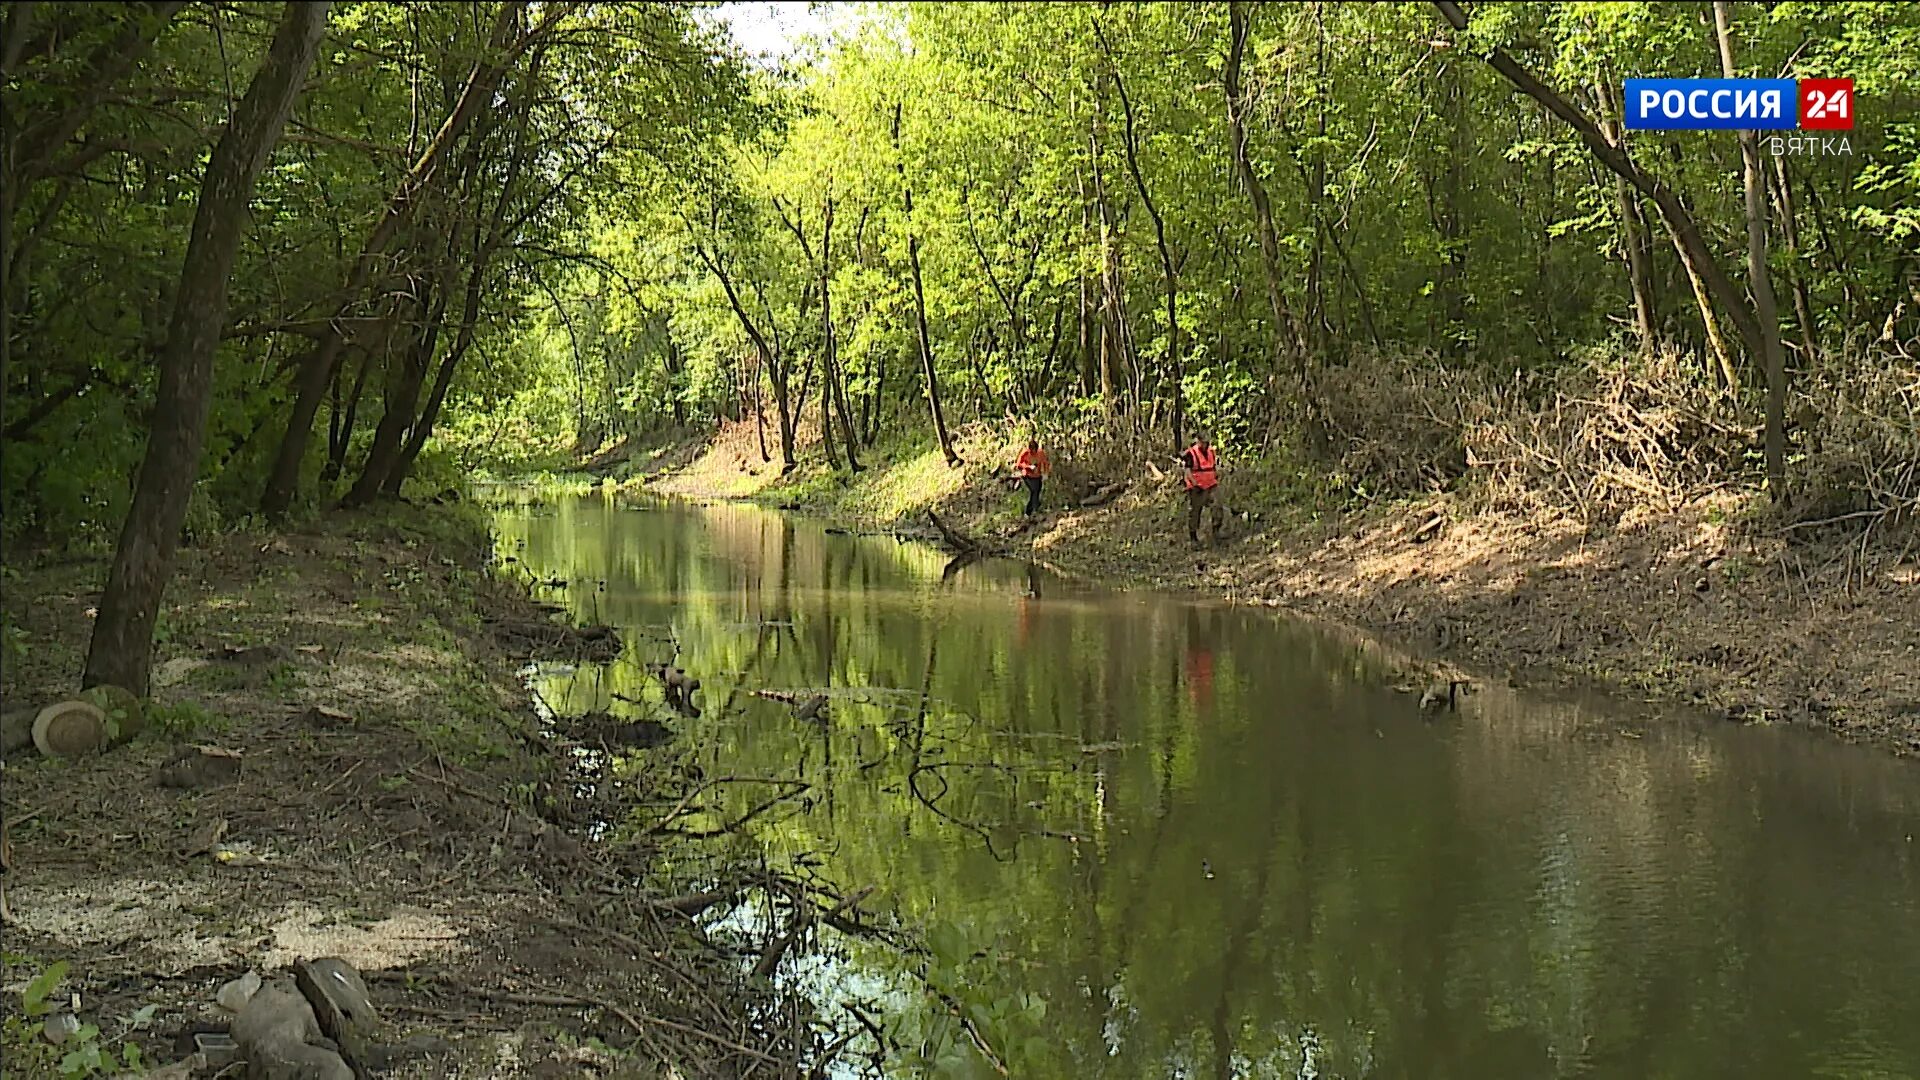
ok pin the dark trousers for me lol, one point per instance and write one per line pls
(1033, 494)
(1200, 500)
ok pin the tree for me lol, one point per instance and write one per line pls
(1759, 277)
(122, 644)
(928, 369)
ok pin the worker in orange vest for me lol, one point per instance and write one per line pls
(1202, 463)
(1031, 468)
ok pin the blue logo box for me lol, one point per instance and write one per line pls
(1712, 105)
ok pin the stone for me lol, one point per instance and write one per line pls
(234, 995)
(280, 1037)
(341, 1004)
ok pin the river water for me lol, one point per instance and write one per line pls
(1153, 837)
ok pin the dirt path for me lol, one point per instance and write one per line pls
(1678, 606)
(426, 826)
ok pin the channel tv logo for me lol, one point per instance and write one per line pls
(1739, 104)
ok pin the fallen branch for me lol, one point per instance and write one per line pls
(805, 914)
(958, 543)
(795, 788)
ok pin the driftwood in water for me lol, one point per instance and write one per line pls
(807, 705)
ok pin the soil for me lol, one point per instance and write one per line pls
(1687, 605)
(398, 805)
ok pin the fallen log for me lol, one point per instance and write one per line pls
(1104, 494)
(958, 542)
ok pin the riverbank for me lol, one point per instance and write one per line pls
(1691, 604)
(399, 804)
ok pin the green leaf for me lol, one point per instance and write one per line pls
(34, 998)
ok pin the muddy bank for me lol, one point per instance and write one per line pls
(1680, 605)
(398, 805)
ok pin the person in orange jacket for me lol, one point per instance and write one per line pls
(1202, 462)
(1032, 467)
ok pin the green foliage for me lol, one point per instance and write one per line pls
(84, 1052)
(182, 718)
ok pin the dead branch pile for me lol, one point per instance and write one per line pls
(1859, 464)
(1597, 438)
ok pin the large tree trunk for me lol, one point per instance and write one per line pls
(927, 366)
(316, 368)
(122, 647)
(403, 395)
(1284, 327)
(1759, 276)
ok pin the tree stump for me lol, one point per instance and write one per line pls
(70, 728)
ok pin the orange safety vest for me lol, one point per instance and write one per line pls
(1200, 467)
(1032, 463)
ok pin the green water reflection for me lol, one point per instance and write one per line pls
(1218, 844)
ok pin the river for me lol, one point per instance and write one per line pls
(1155, 837)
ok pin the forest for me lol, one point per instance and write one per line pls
(278, 279)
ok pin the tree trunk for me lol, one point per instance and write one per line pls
(1790, 232)
(122, 647)
(1759, 275)
(776, 369)
(927, 367)
(1284, 327)
(1175, 359)
(836, 387)
(1084, 336)
(1112, 296)
(317, 367)
(1452, 285)
(676, 370)
(1319, 327)
(1633, 230)
(403, 394)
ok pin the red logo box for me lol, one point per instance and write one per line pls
(1826, 104)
